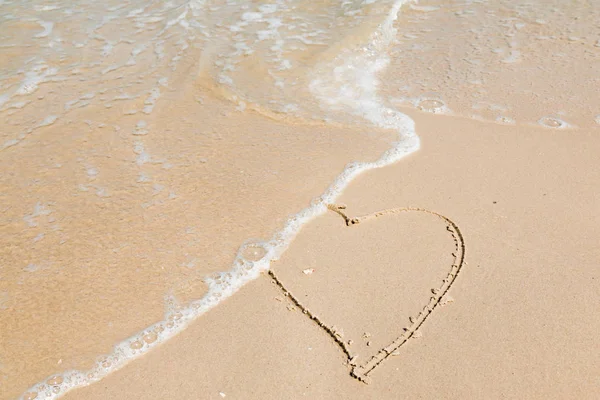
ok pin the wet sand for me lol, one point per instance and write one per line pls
(519, 320)
(99, 222)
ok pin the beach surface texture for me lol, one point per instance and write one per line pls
(212, 199)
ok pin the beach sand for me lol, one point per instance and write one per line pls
(102, 223)
(156, 157)
(519, 321)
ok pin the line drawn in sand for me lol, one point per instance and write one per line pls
(361, 372)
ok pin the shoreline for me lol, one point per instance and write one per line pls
(159, 157)
(221, 285)
(505, 242)
(145, 210)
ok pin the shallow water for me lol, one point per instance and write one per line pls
(145, 144)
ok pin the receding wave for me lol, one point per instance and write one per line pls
(328, 69)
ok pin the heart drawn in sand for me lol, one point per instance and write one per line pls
(386, 347)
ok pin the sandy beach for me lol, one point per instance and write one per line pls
(71, 297)
(379, 199)
(518, 322)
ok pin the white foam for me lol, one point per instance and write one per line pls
(424, 8)
(505, 120)
(107, 49)
(143, 178)
(91, 172)
(4, 98)
(157, 188)
(9, 143)
(142, 156)
(38, 210)
(554, 122)
(110, 68)
(151, 100)
(18, 105)
(252, 16)
(513, 57)
(34, 77)
(49, 120)
(101, 192)
(48, 26)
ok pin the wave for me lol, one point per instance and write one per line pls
(345, 84)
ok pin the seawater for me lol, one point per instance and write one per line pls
(354, 63)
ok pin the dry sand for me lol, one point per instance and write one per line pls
(519, 321)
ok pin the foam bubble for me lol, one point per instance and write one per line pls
(251, 16)
(150, 337)
(55, 380)
(431, 105)
(143, 178)
(424, 8)
(139, 128)
(151, 100)
(142, 156)
(505, 120)
(32, 79)
(49, 120)
(9, 143)
(252, 251)
(48, 26)
(136, 345)
(91, 172)
(553, 122)
(4, 98)
(31, 268)
(101, 192)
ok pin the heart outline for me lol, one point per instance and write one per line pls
(361, 372)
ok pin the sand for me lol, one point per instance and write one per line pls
(519, 320)
(143, 145)
(99, 223)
